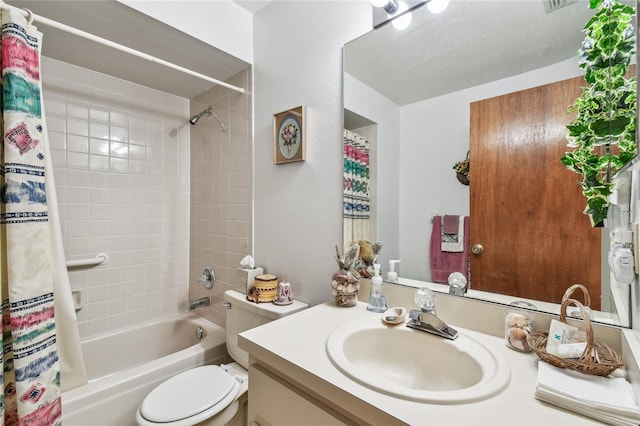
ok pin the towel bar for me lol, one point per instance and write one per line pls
(100, 259)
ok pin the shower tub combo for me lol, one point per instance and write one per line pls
(124, 366)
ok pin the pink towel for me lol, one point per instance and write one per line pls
(444, 263)
(450, 224)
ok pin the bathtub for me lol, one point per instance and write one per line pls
(124, 366)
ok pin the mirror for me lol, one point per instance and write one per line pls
(409, 94)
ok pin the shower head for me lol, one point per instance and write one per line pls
(195, 118)
(208, 111)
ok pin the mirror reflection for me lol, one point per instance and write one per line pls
(489, 81)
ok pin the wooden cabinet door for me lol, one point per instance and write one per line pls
(525, 206)
(273, 403)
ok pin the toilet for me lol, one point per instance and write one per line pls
(212, 394)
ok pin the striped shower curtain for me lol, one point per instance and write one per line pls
(31, 247)
(356, 186)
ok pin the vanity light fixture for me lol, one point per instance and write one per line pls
(389, 6)
(396, 11)
(403, 20)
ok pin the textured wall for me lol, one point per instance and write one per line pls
(298, 206)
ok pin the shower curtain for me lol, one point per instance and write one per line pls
(40, 341)
(356, 203)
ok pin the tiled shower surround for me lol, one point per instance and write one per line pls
(221, 191)
(122, 167)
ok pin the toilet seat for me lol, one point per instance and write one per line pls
(189, 397)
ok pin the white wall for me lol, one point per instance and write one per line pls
(434, 135)
(370, 104)
(222, 23)
(298, 206)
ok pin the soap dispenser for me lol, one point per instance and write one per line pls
(392, 275)
(377, 302)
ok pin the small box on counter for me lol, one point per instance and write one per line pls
(246, 278)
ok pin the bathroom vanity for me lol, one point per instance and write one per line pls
(292, 380)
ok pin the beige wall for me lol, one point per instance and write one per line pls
(221, 231)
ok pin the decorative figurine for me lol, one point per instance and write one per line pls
(284, 296)
(367, 257)
(346, 282)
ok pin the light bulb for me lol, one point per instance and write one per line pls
(402, 22)
(437, 6)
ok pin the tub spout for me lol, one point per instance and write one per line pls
(197, 303)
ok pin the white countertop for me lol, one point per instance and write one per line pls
(295, 346)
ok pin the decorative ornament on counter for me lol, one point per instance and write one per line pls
(284, 296)
(264, 290)
(346, 282)
(367, 257)
(517, 329)
(596, 359)
(395, 315)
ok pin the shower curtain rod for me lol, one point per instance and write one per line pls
(32, 16)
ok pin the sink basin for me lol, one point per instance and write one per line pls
(416, 365)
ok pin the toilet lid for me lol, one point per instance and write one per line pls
(189, 393)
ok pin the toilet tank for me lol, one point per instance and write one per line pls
(243, 315)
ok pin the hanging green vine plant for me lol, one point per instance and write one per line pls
(603, 134)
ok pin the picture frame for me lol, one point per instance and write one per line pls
(289, 136)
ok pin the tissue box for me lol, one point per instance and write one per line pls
(246, 278)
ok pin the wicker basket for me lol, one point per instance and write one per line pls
(267, 287)
(602, 364)
(585, 294)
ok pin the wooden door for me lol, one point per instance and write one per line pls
(525, 206)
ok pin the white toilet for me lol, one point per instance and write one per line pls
(212, 394)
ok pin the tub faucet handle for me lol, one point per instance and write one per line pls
(207, 278)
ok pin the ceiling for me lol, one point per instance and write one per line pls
(471, 35)
(472, 42)
(252, 5)
(119, 23)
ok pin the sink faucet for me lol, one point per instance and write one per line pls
(430, 323)
(425, 319)
(197, 303)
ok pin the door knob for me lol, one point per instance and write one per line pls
(477, 249)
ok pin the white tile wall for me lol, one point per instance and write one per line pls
(121, 159)
(221, 191)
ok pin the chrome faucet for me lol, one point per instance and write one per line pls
(425, 319)
(197, 303)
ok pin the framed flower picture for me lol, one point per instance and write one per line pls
(288, 136)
